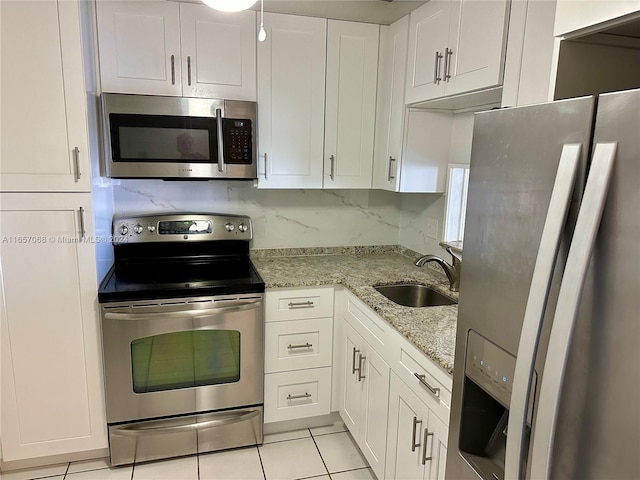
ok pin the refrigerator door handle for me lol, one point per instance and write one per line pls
(575, 273)
(536, 303)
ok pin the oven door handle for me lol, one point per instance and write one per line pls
(158, 314)
(157, 428)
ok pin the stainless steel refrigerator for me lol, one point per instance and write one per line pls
(547, 374)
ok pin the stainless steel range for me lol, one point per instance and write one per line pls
(182, 331)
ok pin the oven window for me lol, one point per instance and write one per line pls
(185, 359)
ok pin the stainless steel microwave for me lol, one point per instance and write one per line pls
(178, 138)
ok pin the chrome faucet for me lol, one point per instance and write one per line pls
(452, 271)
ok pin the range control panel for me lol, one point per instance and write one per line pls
(181, 227)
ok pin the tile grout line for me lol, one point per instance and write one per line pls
(319, 453)
(264, 475)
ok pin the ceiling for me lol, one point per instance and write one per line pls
(369, 11)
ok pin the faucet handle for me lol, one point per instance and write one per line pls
(457, 258)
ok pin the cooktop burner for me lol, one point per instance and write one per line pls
(180, 256)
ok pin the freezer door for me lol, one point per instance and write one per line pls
(598, 423)
(514, 161)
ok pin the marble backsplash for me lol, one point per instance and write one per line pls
(281, 218)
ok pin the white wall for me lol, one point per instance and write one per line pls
(281, 218)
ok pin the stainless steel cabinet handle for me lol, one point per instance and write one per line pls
(306, 345)
(353, 360)
(76, 159)
(415, 445)
(389, 176)
(307, 304)
(361, 359)
(157, 428)
(447, 64)
(436, 69)
(427, 434)
(434, 390)
(297, 397)
(82, 229)
(173, 70)
(220, 140)
(265, 165)
(333, 161)
(189, 70)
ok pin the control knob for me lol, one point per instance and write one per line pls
(151, 228)
(230, 227)
(242, 227)
(123, 229)
(138, 229)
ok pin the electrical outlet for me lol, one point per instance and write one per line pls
(432, 228)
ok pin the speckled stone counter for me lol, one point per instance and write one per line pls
(431, 329)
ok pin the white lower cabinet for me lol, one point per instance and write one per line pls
(366, 393)
(417, 440)
(298, 353)
(52, 391)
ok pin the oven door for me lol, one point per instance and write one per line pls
(182, 356)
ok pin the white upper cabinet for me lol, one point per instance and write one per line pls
(291, 98)
(218, 53)
(352, 70)
(44, 124)
(139, 47)
(390, 105)
(171, 48)
(455, 47)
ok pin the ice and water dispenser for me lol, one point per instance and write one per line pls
(488, 383)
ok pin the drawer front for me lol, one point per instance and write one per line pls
(410, 367)
(297, 394)
(298, 344)
(292, 304)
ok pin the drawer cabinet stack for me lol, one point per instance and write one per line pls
(298, 353)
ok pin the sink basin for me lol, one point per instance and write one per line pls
(414, 295)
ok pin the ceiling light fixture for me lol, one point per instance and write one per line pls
(229, 5)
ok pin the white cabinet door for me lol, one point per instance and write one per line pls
(351, 405)
(352, 70)
(390, 112)
(43, 114)
(52, 393)
(291, 99)
(218, 51)
(417, 438)
(428, 37)
(477, 40)
(139, 47)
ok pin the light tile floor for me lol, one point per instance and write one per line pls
(324, 453)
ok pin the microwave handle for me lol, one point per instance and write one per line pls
(220, 140)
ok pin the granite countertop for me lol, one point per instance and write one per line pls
(430, 329)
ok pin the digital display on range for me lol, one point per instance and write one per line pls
(185, 227)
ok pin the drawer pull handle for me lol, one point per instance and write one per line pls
(415, 445)
(297, 397)
(427, 434)
(306, 345)
(435, 391)
(361, 358)
(307, 304)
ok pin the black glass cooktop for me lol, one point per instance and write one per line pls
(174, 278)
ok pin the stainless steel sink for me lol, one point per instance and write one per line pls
(414, 295)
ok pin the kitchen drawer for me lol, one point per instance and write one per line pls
(298, 344)
(297, 394)
(409, 362)
(293, 304)
(367, 323)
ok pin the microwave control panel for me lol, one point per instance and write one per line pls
(237, 138)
